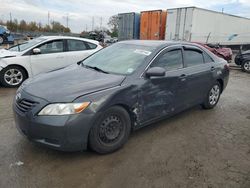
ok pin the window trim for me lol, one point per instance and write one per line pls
(198, 49)
(195, 49)
(176, 46)
(30, 52)
(212, 61)
(87, 44)
(67, 47)
(167, 51)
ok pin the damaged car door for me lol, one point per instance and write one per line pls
(165, 94)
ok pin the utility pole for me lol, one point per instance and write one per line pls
(67, 20)
(93, 23)
(48, 18)
(10, 17)
(86, 27)
(101, 24)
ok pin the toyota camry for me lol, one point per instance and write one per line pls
(99, 101)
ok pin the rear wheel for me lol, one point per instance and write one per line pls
(12, 76)
(110, 131)
(246, 66)
(213, 96)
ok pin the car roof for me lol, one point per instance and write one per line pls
(158, 43)
(69, 37)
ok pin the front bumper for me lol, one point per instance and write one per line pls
(65, 133)
(238, 60)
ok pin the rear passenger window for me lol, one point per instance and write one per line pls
(193, 58)
(76, 45)
(207, 58)
(171, 60)
(91, 45)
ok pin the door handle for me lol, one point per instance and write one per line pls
(60, 57)
(212, 68)
(183, 77)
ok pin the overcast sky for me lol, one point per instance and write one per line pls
(81, 12)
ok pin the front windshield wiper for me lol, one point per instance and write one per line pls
(95, 68)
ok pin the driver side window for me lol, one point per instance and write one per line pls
(52, 47)
(171, 60)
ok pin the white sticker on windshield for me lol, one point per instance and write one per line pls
(130, 70)
(143, 52)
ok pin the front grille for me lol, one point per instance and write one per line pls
(25, 105)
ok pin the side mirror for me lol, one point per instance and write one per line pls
(155, 71)
(36, 51)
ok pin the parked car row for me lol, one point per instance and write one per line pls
(42, 55)
(243, 59)
(97, 102)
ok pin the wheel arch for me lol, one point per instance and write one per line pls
(22, 67)
(221, 84)
(132, 114)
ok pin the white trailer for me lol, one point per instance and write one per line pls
(206, 26)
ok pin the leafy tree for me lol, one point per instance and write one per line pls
(55, 27)
(12, 25)
(23, 26)
(46, 28)
(32, 26)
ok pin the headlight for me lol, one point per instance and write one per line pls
(63, 109)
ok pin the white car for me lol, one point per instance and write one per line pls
(42, 55)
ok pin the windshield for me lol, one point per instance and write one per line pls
(119, 58)
(26, 45)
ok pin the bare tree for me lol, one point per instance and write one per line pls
(113, 24)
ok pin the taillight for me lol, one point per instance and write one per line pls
(227, 66)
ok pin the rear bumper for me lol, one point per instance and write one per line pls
(226, 79)
(238, 60)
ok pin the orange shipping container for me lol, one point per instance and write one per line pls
(153, 25)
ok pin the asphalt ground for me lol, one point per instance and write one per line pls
(197, 148)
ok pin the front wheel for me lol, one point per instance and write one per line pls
(12, 76)
(1, 39)
(110, 131)
(246, 66)
(213, 96)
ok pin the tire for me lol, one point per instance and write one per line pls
(213, 96)
(1, 39)
(110, 131)
(246, 66)
(12, 76)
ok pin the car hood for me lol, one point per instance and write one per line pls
(69, 83)
(6, 53)
(246, 52)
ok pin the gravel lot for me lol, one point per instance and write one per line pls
(197, 148)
